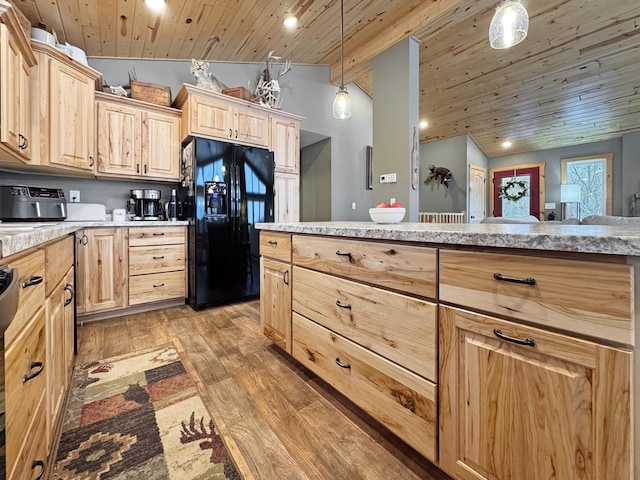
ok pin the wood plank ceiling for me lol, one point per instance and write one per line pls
(573, 80)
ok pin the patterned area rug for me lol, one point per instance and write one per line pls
(139, 416)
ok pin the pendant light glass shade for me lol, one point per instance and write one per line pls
(509, 25)
(342, 102)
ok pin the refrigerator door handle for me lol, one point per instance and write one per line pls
(238, 191)
(232, 181)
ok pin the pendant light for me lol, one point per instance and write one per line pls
(156, 5)
(342, 102)
(509, 25)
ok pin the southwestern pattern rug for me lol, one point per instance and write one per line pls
(139, 416)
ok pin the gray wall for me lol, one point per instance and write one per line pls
(113, 194)
(315, 182)
(452, 154)
(307, 91)
(630, 171)
(551, 158)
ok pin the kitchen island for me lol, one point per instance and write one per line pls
(472, 343)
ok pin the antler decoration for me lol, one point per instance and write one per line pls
(196, 431)
(268, 90)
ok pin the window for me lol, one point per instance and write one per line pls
(593, 174)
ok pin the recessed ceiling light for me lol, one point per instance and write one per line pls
(290, 21)
(424, 124)
(157, 5)
(506, 144)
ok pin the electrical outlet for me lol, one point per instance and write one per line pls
(388, 178)
(353, 205)
(74, 196)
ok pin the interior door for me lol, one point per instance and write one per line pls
(477, 193)
(529, 204)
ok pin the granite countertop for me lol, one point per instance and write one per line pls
(603, 239)
(19, 238)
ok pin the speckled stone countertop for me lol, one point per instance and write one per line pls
(604, 239)
(18, 238)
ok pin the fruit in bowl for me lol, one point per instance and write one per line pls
(387, 213)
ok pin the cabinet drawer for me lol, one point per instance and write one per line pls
(589, 298)
(400, 328)
(23, 398)
(58, 258)
(165, 258)
(31, 459)
(156, 236)
(399, 267)
(31, 296)
(399, 399)
(276, 245)
(156, 287)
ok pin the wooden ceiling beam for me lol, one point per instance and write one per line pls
(373, 39)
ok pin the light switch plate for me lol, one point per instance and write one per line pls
(549, 206)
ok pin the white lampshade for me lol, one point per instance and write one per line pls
(569, 193)
(509, 25)
(342, 104)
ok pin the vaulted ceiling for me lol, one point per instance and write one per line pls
(575, 78)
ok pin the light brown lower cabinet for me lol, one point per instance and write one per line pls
(101, 259)
(518, 402)
(275, 301)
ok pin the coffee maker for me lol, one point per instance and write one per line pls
(135, 204)
(151, 206)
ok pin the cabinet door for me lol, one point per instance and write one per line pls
(102, 269)
(56, 375)
(72, 118)
(251, 126)
(211, 118)
(275, 302)
(15, 123)
(525, 403)
(119, 139)
(287, 201)
(161, 146)
(285, 143)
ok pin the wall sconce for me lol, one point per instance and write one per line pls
(570, 193)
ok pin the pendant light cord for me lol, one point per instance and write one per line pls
(342, 44)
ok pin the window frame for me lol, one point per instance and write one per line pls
(608, 177)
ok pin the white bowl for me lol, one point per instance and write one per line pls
(43, 36)
(386, 215)
(77, 54)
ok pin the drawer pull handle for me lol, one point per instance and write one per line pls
(159, 258)
(69, 288)
(345, 254)
(285, 277)
(526, 281)
(529, 342)
(159, 285)
(343, 305)
(342, 365)
(30, 376)
(34, 465)
(31, 281)
(156, 234)
(271, 242)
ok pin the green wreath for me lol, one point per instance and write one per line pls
(507, 190)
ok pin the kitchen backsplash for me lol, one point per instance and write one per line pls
(111, 193)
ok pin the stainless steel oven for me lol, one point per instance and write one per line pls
(8, 308)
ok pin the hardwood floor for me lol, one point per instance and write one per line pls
(279, 420)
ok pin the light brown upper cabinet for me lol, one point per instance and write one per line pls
(63, 93)
(137, 139)
(215, 115)
(16, 60)
(285, 144)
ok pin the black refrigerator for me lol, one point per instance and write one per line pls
(228, 189)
